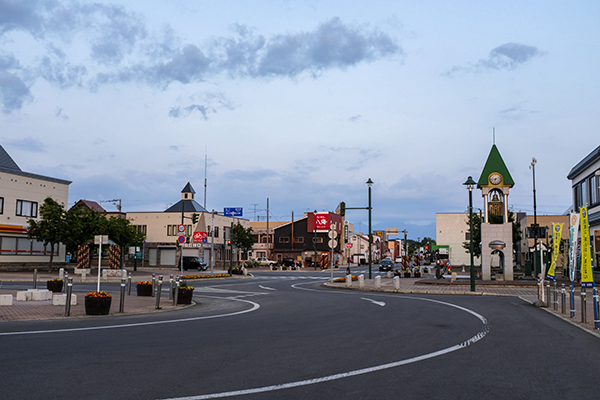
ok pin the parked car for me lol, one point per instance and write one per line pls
(386, 264)
(265, 261)
(193, 263)
(288, 263)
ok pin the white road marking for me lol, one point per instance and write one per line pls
(480, 335)
(379, 303)
(266, 288)
(255, 306)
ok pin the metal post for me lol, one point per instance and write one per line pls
(122, 302)
(65, 281)
(129, 284)
(572, 298)
(548, 292)
(35, 278)
(153, 283)
(555, 297)
(369, 183)
(69, 291)
(563, 297)
(583, 306)
(596, 317)
(158, 291)
(171, 287)
(176, 291)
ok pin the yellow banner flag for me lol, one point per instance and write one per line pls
(587, 276)
(556, 237)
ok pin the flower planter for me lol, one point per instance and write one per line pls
(417, 275)
(54, 286)
(97, 305)
(144, 290)
(184, 296)
(407, 274)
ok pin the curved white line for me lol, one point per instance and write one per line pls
(255, 306)
(480, 335)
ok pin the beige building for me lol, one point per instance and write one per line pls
(452, 229)
(21, 195)
(207, 238)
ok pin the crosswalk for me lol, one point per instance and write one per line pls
(293, 278)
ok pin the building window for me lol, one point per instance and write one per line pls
(317, 240)
(299, 239)
(467, 235)
(1, 205)
(283, 239)
(26, 208)
(141, 228)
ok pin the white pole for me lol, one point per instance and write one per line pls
(99, 263)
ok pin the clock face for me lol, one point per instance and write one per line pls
(495, 179)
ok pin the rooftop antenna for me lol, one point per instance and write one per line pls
(494, 134)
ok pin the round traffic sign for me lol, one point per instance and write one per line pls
(348, 245)
(181, 228)
(181, 239)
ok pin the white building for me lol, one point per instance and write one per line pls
(21, 195)
(585, 181)
(452, 230)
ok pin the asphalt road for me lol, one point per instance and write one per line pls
(284, 336)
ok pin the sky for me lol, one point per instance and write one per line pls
(301, 102)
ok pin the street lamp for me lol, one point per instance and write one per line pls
(369, 184)
(470, 183)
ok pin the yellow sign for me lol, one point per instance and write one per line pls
(587, 276)
(556, 237)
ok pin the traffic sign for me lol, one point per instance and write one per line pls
(181, 228)
(332, 234)
(348, 245)
(181, 239)
(332, 243)
(233, 211)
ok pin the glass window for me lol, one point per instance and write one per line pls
(284, 239)
(23, 246)
(317, 240)
(1, 205)
(26, 208)
(37, 248)
(9, 245)
(299, 240)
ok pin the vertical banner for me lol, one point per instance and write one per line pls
(556, 238)
(587, 276)
(573, 234)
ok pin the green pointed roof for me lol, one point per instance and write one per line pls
(495, 163)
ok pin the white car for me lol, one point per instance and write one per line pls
(265, 261)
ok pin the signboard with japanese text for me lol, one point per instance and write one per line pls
(587, 276)
(233, 211)
(323, 221)
(199, 237)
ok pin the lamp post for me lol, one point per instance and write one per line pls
(470, 183)
(369, 184)
(536, 232)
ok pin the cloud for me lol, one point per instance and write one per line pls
(26, 144)
(60, 114)
(13, 89)
(508, 56)
(355, 118)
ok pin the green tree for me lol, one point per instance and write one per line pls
(51, 227)
(242, 238)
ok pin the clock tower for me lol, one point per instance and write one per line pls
(496, 229)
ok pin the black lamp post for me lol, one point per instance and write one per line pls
(470, 183)
(369, 184)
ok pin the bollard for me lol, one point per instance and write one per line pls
(64, 289)
(171, 287)
(361, 281)
(555, 297)
(583, 306)
(69, 286)
(572, 300)
(176, 294)
(35, 278)
(548, 293)
(129, 285)
(122, 302)
(563, 298)
(377, 282)
(396, 282)
(158, 291)
(348, 281)
(153, 283)
(596, 317)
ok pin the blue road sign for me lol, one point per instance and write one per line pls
(233, 211)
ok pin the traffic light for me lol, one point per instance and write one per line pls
(194, 218)
(342, 208)
(228, 242)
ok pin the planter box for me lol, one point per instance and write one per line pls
(184, 296)
(407, 274)
(54, 286)
(97, 305)
(144, 290)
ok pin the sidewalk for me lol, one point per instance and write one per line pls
(526, 291)
(27, 310)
